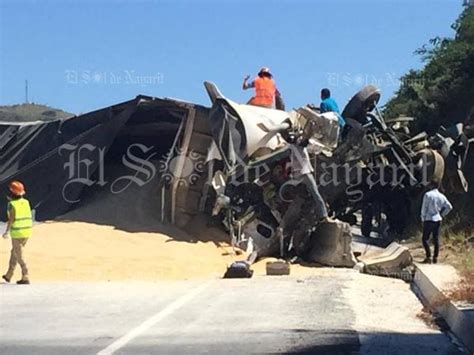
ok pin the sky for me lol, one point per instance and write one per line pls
(84, 55)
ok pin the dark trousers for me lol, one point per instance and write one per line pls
(310, 182)
(367, 219)
(431, 229)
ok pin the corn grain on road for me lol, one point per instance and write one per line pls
(332, 311)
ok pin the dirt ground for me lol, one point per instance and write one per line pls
(79, 251)
(461, 256)
(118, 236)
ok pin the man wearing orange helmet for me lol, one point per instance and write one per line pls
(266, 92)
(19, 228)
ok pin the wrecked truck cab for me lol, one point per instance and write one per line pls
(244, 132)
(247, 185)
(262, 205)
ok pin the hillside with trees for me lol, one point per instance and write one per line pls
(442, 94)
(31, 112)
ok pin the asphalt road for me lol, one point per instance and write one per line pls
(334, 311)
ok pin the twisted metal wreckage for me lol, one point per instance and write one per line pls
(277, 175)
(272, 177)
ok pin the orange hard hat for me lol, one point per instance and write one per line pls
(17, 188)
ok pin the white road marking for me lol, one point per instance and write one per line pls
(150, 322)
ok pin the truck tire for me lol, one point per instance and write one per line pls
(361, 103)
(435, 165)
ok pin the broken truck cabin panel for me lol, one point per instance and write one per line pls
(258, 149)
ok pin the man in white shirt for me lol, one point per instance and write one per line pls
(302, 172)
(434, 208)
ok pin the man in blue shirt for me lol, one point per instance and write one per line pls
(435, 206)
(328, 104)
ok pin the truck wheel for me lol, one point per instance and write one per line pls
(361, 103)
(435, 165)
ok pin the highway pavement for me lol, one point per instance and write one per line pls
(330, 311)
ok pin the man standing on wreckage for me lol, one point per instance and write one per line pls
(307, 207)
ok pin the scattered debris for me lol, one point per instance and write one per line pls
(432, 319)
(391, 261)
(238, 270)
(279, 267)
(261, 162)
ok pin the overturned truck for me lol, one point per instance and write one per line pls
(289, 184)
(277, 183)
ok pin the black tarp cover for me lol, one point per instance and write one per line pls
(35, 154)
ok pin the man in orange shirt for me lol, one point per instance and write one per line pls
(266, 92)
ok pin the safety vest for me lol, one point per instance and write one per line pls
(265, 89)
(23, 224)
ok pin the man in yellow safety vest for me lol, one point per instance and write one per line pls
(19, 228)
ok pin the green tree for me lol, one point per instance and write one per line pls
(442, 93)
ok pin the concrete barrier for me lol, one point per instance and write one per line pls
(432, 283)
(331, 245)
(391, 261)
